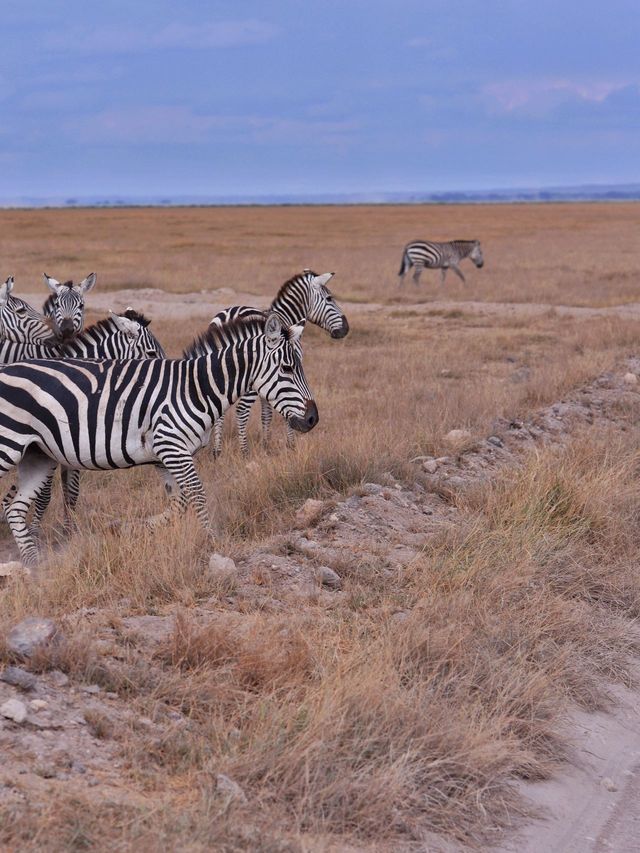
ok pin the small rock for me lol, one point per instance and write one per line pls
(38, 704)
(30, 634)
(329, 578)
(222, 568)
(371, 488)
(58, 678)
(608, 784)
(430, 466)
(90, 688)
(310, 511)
(400, 616)
(18, 677)
(496, 441)
(230, 789)
(14, 709)
(457, 436)
(442, 460)
(13, 567)
(630, 379)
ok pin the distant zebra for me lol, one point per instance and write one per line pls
(65, 306)
(442, 256)
(105, 415)
(303, 297)
(23, 332)
(116, 337)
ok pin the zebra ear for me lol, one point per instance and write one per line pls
(321, 280)
(87, 283)
(52, 283)
(6, 289)
(273, 330)
(295, 332)
(125, 325)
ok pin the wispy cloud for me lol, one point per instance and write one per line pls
(539, 97)
(208, 35)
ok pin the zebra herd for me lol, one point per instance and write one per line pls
(107, 397)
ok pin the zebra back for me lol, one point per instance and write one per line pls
(118, 336)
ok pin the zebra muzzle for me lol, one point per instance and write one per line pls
(308, 420)
(342, 331)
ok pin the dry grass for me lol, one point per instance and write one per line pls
(352, 724)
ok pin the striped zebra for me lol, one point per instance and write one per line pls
(65, 306)
(23, 332)
(439, 256)
(303, 297)
(118, 336)
(105, 415)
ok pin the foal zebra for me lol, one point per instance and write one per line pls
(23, 332)
(303, 297)
(442, 256)
(104, 415)
(116, 337)
(65, 306)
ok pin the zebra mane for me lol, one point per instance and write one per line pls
(132, 314)
(218, 336)
(290, 282)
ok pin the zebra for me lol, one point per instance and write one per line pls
(442, 256)
(23, 332)
(303, 297)
(106, 415)
(65, 306)
(118, 336)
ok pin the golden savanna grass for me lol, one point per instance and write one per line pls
(346, 725)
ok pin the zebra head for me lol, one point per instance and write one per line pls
(19, 322)
(66, 304)
(280, 378)
(135, 338)
(476, 254)
(322, 309)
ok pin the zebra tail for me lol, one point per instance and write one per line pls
(406, 263)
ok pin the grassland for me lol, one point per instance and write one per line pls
(344, 726)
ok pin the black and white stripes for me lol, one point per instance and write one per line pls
(65, 306)
(117, 414)
(23, 332)
(442, 256)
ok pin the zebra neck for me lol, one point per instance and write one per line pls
(224, 376)
(291, 306)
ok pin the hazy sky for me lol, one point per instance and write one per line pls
(298, 96)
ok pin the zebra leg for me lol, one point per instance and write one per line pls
(179, 471)
(243, 411)
(70, 495)
(34, 470)
(6, 501)
(443, 274)
(458, 272)
(266, 415)
(417, 272)
(291, 436)
(218, 427)
(41, 502)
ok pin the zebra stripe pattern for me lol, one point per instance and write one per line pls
(118, 414)
(303, 297)
(442, 256)
(65, 306)
(23, 332)
(118, 336)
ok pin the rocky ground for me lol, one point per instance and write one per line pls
(54, 730)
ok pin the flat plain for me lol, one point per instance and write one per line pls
(266, 710)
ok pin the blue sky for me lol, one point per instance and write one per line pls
(165, 98)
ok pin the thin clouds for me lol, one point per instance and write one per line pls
(205, 36)
(540, 97)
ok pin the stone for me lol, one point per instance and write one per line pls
(630, 379)
(371, 488)
(430, 466)
(222, 568)
(18, 677)
(310, 511)
(13, 567)
(457, 436)
(38, 704)
(25, 638)
(329, 578)
(609, 785)
(90, 688)
(58, 678)
(14, 709)
(229, 789)
(496, 441)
